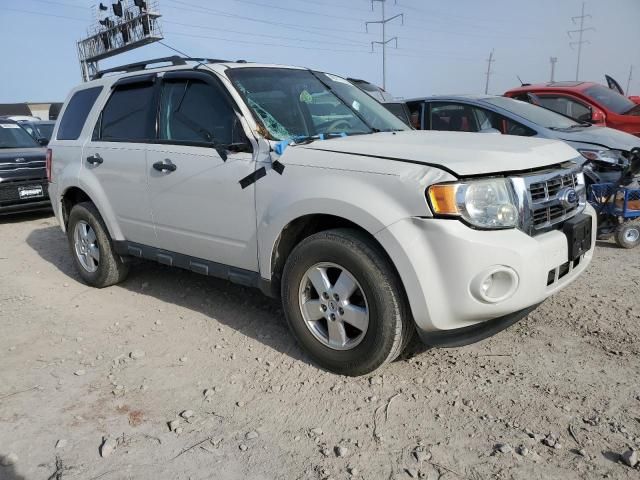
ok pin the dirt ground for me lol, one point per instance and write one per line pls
(556, 396)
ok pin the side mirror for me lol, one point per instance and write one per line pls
(598, 117)
(43, 142)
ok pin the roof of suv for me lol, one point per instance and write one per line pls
(178, 63)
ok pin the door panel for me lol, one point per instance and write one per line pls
(199, 209)
(123, 177)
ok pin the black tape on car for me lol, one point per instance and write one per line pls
(277, 166)
(252, 178)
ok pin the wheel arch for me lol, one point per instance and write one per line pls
(304, 226)
(74, 195)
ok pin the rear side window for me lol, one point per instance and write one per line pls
(76, 113)
(129, 115)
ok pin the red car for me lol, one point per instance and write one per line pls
(584, 102)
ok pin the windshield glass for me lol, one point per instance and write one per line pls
(300, 103)
(533, 113)
(13, 135)
(612, 100)
(45, 130)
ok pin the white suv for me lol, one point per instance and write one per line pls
(299, 183)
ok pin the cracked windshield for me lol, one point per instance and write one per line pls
(299, 104)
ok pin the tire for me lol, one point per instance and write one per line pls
(628, 234)
(377, 290)
(109, 269)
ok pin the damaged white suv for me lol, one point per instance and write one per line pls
(299, 183)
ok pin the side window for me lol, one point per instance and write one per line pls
(452, 117)
(488, 119)
(566, 106)
(129, 115)
(415, 112)
(76, 113)
(197, 112)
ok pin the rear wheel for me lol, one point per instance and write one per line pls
(628, 234)
(344, 302)
(94, 256)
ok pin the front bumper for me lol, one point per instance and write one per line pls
(11, 202)
(439, 262)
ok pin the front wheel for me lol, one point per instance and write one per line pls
(94, 256)
(344, 302)
(628, 234)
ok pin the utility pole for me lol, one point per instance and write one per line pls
(629, 81)
(580, 32)
(384, 41)
(553, 61)
(490, 60)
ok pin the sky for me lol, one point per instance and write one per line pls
(441, 48)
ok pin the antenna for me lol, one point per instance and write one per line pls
(629, 80)
(384, 41)
(490, 60)
(580, 41)
(553, 61)
(129, 24)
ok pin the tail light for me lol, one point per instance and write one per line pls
(48, 164)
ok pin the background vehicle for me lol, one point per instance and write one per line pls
(375, 91)
(23, 183)
(299, 183)
(21, 118)
(41, 130)
(607, 150)
(584, 102)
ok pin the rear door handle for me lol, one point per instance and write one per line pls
(165, 166)
(95, 159)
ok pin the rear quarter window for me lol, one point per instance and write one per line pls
(75, 115)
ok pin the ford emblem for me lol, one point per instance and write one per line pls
(568, 197)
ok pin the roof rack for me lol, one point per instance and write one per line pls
(173, 60)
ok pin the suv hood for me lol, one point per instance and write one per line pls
(601, 137)
(460, 153)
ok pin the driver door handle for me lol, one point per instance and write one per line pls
(165, 166)
(94, 159)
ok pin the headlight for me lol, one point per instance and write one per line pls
(609, 156)
(485, 204)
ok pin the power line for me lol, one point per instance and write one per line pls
(580, 32)
(249, 42)
(42, 14)
(253, 34)
(383, 22)
(490, 61)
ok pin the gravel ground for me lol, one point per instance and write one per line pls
(176, 376)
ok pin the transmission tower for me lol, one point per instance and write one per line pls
(580, 31)
(385, 40)
(490, 61)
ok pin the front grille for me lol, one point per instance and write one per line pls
(9, 192)
(541, 191)
(541, 205)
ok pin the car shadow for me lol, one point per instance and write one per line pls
(9, 473)
(25, 216)
(243, 309)
(607, 244)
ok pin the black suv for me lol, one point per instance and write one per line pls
(23, 179)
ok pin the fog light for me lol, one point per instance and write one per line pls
(495, 284)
